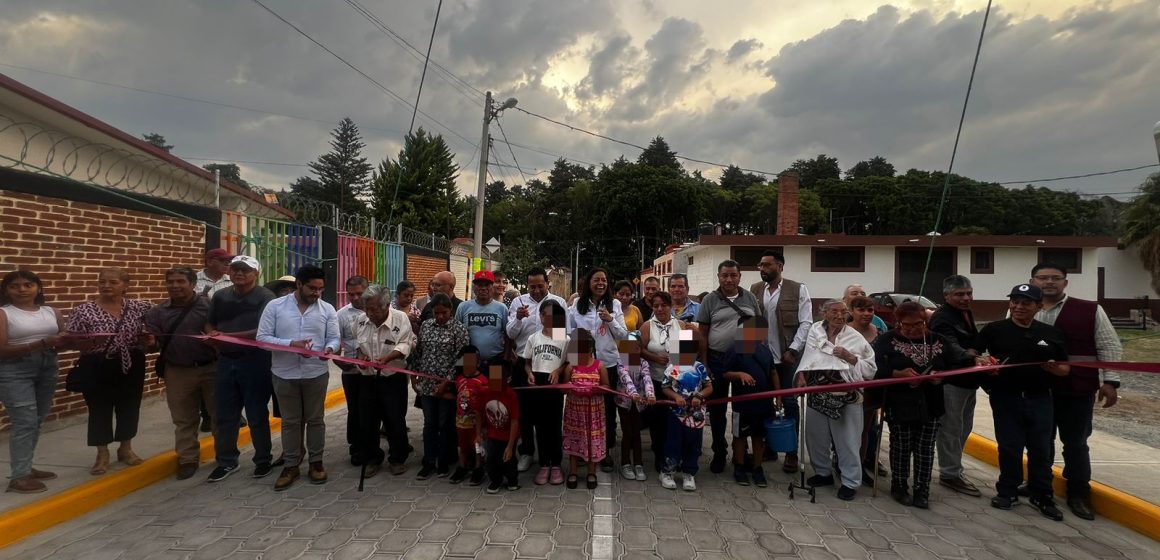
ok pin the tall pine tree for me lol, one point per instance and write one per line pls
(428, 199)
(342, 174)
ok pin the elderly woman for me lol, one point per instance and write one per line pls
(835, 353)
(913, 409)
(29, 334)
(112, 366)
(440, 339)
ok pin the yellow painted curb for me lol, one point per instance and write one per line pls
(33, 518)
(1125, 509)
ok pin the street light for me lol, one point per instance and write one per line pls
(1156, 135)
(490, 112)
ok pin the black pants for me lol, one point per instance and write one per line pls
(718, 412)
(1073, 420)
(498, 470)
(439, 437)
(115, 395)
(543, 413)
(657, 419)
(350, 388)
(526, 400)
(1024, 421)
(381, 397)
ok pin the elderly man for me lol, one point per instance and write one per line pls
(215, 276)
(835, 353)
(188, 364)
(789, 312)
(442, 282)
(523, 321)
(349, 317)
(384, 336)
(1090, 337)
(243, 372)
(955, 321)
(301, 320)
(684, 309)
(1021, 401)
(855, 290)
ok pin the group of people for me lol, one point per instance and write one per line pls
(507, 380)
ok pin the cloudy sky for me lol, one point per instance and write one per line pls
(1064, 86)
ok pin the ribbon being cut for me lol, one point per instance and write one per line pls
(1138, 367)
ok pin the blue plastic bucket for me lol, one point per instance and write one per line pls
(781, 434)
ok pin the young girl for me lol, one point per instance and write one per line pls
(584, 426)
(469, 384)
(544, 362)
(637, 384)
(688, 383)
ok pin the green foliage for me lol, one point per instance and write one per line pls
(814, 171)
(1142, 227)
(157, 140)
(340, 175)
(229, 172)
(876, 166)
(428, 199)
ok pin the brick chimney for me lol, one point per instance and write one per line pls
(787, 202)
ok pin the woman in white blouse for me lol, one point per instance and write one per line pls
(596, 311)
(835, 353)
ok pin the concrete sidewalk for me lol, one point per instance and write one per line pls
(1122, 464)
(63, 450)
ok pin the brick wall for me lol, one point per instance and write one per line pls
(68, 243)
(421, 268)
(787, 202)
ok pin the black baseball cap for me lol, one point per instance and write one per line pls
(1028, 291)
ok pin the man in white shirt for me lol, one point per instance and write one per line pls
(385, 336)
(788, 308)
(349, 317)
(301, 320)
(215, 275)
(523, 321)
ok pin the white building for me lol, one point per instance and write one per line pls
(1097, 268)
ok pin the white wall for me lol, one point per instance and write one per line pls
(1124, 275)
(703, 272)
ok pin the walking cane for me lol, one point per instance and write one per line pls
(801, 484)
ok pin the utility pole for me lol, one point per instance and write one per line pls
(484, 145)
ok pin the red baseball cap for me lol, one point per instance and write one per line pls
(218, 253)
(484, 276)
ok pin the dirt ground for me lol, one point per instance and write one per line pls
(1137, 414)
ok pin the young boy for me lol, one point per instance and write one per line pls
(498, 430)
(469, 385)
(749, 371)
(688, 383)
(544, 361)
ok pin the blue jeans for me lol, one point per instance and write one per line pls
(439, 438)
(243, 381)
(682, 447)
(27, 385)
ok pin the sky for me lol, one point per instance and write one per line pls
(1063, 87)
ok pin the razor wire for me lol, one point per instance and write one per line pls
(316, 212)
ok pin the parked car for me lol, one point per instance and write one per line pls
(885, 302)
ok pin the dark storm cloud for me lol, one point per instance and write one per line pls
(741, 48)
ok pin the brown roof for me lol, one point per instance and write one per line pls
(107, 129)
(842, 240)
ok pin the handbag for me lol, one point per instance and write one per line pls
(159, 365)
(83, 376)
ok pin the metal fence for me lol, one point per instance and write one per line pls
(280, 247)
(378, 262)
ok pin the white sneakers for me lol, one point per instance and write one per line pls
(627, 472)
(639, 472)
(689, 484)
(525, 463)
(668, 482)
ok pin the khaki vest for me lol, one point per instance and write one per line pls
(785, 318)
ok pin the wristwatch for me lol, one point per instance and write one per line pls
(1114, 384)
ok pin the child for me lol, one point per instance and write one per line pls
(688, 383)
(468, 386)
(637, 384)
(498, 429)
(544, 362)
(584, 431)
(750, 370)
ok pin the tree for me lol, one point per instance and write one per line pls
(157, 140)
(229, 172)
(428, 199)
(813, 171)
(734, 179)
(659, 155)
(876, 166)
(342, 174)
(1142, 227)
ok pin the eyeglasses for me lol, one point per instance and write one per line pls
(1049, 278)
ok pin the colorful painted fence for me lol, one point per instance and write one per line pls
(379, 262)
(280, 247)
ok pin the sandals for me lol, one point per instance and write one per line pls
(573, 481)
(591, 481)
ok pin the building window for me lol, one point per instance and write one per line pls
(690, 260)
(749, 257)
(982, 260)
(838, 259)
(1072, 259)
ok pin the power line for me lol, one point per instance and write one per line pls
(377, 84)
(512, 152)
(1084, 176)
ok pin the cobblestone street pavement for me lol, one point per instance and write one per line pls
(400, 517)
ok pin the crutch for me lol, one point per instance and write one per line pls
(801, 484)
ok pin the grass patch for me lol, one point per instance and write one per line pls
(1140, 346)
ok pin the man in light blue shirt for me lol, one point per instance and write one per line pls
(301, 320)
(485, 318)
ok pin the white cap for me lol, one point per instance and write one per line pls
(247, 261)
